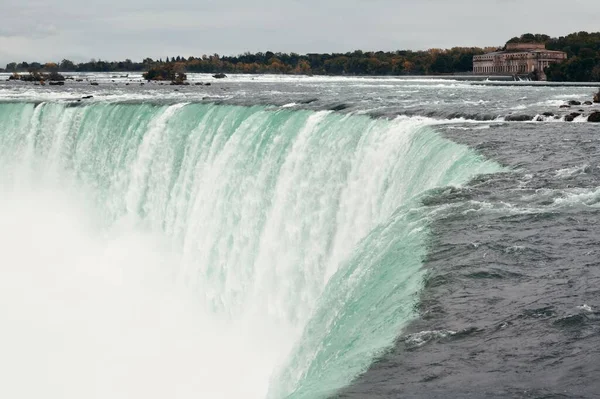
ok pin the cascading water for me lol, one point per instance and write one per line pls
(197, 250)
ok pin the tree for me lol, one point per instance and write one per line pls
(67, 65)
(51, 66)
(303, 67)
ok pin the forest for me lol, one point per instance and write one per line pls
(402, 62)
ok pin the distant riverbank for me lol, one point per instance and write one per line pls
(582, 65)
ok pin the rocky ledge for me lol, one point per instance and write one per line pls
(592, 114)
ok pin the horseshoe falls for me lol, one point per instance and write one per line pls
(213, 251)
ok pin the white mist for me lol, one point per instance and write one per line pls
(90, 312)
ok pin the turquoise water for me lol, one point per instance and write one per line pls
(299, 233)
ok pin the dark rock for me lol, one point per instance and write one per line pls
(574, 102)
(141, 84)
(219, 75)
(565, 106)
(594, 117)
(597, 97)
(207, 84)
(55, 77)
(587, 103)
(548, 114)
(539, 119)
(126, 84)
(569, 118)
(79, 80)
(32, 77)
(87, 97)
(94, 83)
(572, 321)
(198, 84)
(51, 83)
(518, 118)
(308, 101)
(575, 114)
(338, 107)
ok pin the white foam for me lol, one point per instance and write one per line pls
(572, 171)
(421, 338)
(585, 308)
(588, 197)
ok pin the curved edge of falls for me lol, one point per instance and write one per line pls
(300, 233)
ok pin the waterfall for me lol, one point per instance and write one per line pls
(201, 250)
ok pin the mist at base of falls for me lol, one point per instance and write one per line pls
(92, 313)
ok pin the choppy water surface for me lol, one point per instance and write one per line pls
(299, 237)
(383, 96)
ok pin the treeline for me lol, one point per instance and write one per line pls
(90, 66)
(433, 61)
(583, 62)
(582, 48)
(530, 38)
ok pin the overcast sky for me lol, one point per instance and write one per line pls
(41, 30)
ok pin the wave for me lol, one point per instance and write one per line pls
(214, 250)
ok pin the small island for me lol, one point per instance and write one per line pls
(53, 77)
(173, 72)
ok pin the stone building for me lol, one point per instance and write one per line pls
(517, 59)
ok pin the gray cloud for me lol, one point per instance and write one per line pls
(112, 29)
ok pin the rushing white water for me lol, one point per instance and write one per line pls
(208, 251)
